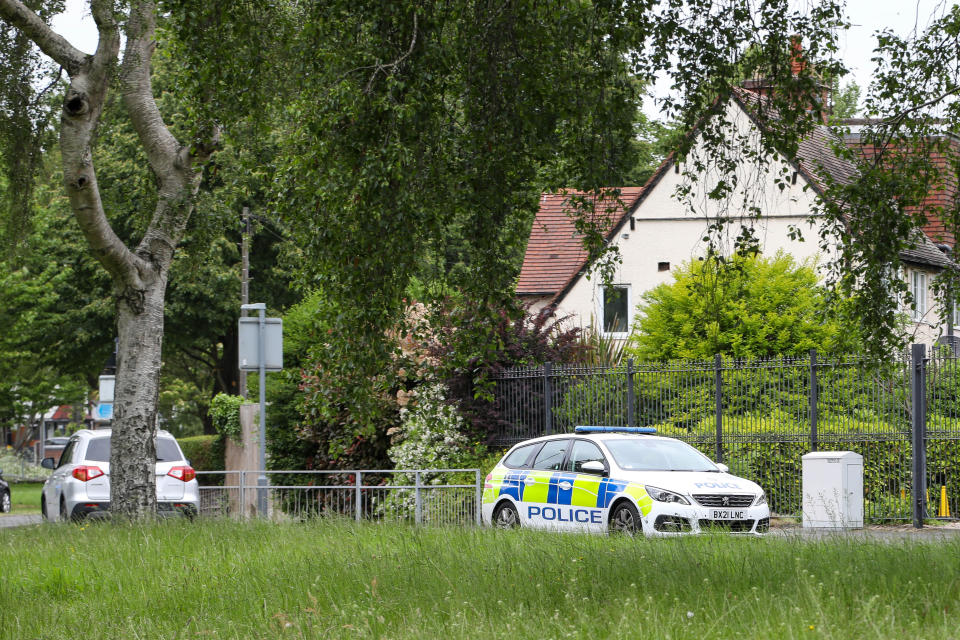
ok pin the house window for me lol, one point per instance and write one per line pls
(616, 308)
(663, 266)
(918, 288)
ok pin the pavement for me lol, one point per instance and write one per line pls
(938, 532)
(17, 520)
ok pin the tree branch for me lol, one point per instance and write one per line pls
(51, 43)
(160, 145)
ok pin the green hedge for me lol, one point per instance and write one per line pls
(205, 453)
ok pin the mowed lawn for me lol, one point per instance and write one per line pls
(220, 579)
(25, 497)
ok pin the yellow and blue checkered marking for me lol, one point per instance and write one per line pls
(584, 490)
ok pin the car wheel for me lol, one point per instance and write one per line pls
(5, 502)
(625, 519)
(64, 516)
(505, 516)
(43, 508)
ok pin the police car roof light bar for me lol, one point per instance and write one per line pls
(588, 429)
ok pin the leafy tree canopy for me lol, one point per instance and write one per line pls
(747, 306)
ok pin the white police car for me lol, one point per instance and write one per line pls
(620, 479)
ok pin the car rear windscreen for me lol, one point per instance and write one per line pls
(98, 450)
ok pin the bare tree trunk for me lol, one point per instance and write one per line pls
(140, 276)
(140, 328)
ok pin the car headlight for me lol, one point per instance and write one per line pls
(662, 495)
(761, 499)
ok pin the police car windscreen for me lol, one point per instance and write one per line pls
(635, 454)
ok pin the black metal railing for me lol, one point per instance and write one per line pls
(761, 416)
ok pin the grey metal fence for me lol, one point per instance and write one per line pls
(761, 416)
(421, 496)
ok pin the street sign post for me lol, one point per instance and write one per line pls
(260, 348)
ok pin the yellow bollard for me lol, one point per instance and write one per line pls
(944, 511)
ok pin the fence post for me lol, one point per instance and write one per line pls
(479, 493)
(357, 498)
(814, 395)
(418, 513)
(718, 393)
(918, 397)
(630, 395)
(243, 504)
(547, 397)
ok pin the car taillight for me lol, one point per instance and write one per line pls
(182, 473)
(84, 473)
(486, 481)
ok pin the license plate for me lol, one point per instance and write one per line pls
(729, 514)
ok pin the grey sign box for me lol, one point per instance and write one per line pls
(249, 344)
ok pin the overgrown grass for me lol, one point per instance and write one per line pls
(340, 580)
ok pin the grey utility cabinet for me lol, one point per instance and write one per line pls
(832, 490)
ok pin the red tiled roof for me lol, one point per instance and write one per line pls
(939, 200)
(63, 412)
(555, 251)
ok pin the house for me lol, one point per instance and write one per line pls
(663, 224)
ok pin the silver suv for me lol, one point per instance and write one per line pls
(80, 484)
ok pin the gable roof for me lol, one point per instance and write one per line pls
(555, 257)
(555, 252)
(815, 157)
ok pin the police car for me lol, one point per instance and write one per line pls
(620, 479)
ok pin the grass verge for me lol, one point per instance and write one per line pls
(25, 497)
(340, 580)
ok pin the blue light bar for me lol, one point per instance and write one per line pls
(585, 429)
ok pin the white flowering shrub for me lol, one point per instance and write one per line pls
(430, 436)
(431, 432)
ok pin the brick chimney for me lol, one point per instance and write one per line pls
(763, 86)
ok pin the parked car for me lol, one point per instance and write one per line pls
(53, 447)
(619, 479)
(80, 484)
(5, 504)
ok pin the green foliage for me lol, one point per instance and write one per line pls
(26, 112)
(744, 306)
(904, 158)
(846, 101)
(205, 453)
(225, 413)
(413, 124)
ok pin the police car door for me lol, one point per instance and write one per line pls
(539, 505)
(587, 504)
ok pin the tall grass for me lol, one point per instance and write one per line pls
(341, 580)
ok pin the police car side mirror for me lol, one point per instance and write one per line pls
(594, 467)
(48, 463)
(723, 468)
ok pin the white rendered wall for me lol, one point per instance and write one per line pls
(669, 230)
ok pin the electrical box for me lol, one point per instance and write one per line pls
(832, 490)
